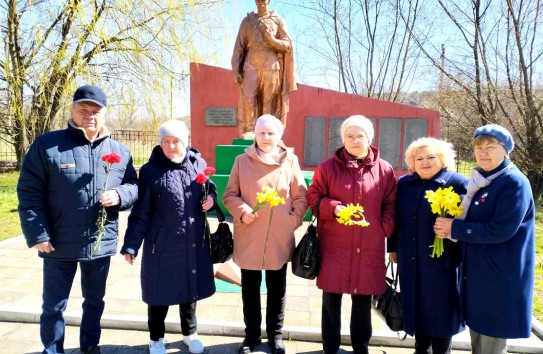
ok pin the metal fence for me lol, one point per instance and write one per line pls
(465, 167)
(465, 161)
(140, 143)
(7, 153)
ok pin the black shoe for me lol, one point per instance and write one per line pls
(277, 346)
(247, 346)
(91, 350)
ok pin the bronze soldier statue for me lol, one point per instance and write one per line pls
(263, 64)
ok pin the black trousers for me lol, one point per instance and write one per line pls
(276, 283)
(361, 329)
(157, 316)
(432, 345)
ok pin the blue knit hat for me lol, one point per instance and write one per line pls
(498, 132)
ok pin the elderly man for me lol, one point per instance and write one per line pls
(61, 195)
(263, 64)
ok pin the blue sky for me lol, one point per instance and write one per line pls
(311, 69)
(231, 13)
(218, 51)
(236, 10)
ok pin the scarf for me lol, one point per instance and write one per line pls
(272, 157)
(104, 132)
(476, 182)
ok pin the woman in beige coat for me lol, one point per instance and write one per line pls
(265, 239)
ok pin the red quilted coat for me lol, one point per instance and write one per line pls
(353, 257)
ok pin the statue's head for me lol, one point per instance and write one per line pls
(262, 3)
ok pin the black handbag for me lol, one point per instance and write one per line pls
(306, 257)
(389, 305)
(221, 242)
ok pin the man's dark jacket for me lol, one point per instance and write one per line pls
(61, 180)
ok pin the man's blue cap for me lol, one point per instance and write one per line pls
(90, 93)
(498, 132)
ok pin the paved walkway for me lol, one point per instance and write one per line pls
(220, 318)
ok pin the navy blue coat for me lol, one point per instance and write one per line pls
(61, 180)
(176, 266)
(498, 237)
(430, 287)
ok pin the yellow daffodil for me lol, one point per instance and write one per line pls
(351, 212)
(443, 202)
(268, 196)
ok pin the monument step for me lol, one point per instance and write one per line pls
(221, 180)
(225, 155)
(241, 141)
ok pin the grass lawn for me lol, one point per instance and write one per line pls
(538, 295)
(9, 217)
(9, 220)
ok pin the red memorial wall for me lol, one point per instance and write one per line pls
(313, 121)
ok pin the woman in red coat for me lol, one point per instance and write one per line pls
(353, 257)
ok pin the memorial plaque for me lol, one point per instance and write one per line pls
(221, 116)
(414, 128)
(389, 140)
(334, 134)
(374, 122)
(315, 129)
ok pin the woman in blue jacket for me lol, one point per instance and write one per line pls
(497, 234)
(430, 285)
(177, 268)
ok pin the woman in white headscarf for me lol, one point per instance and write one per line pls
(352, 257)
(264, 240)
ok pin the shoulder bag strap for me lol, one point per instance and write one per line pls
(220, 214)
(394, 276)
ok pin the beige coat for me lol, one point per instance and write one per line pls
(268, 242)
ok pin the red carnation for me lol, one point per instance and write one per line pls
(209, 171)
(111, 158)
(201, 178)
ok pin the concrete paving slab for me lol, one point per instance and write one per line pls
(220, 317)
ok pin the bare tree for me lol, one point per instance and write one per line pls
(50, 47)
(492, 68)
(366, 44)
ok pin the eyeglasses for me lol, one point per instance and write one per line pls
(354, 138)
